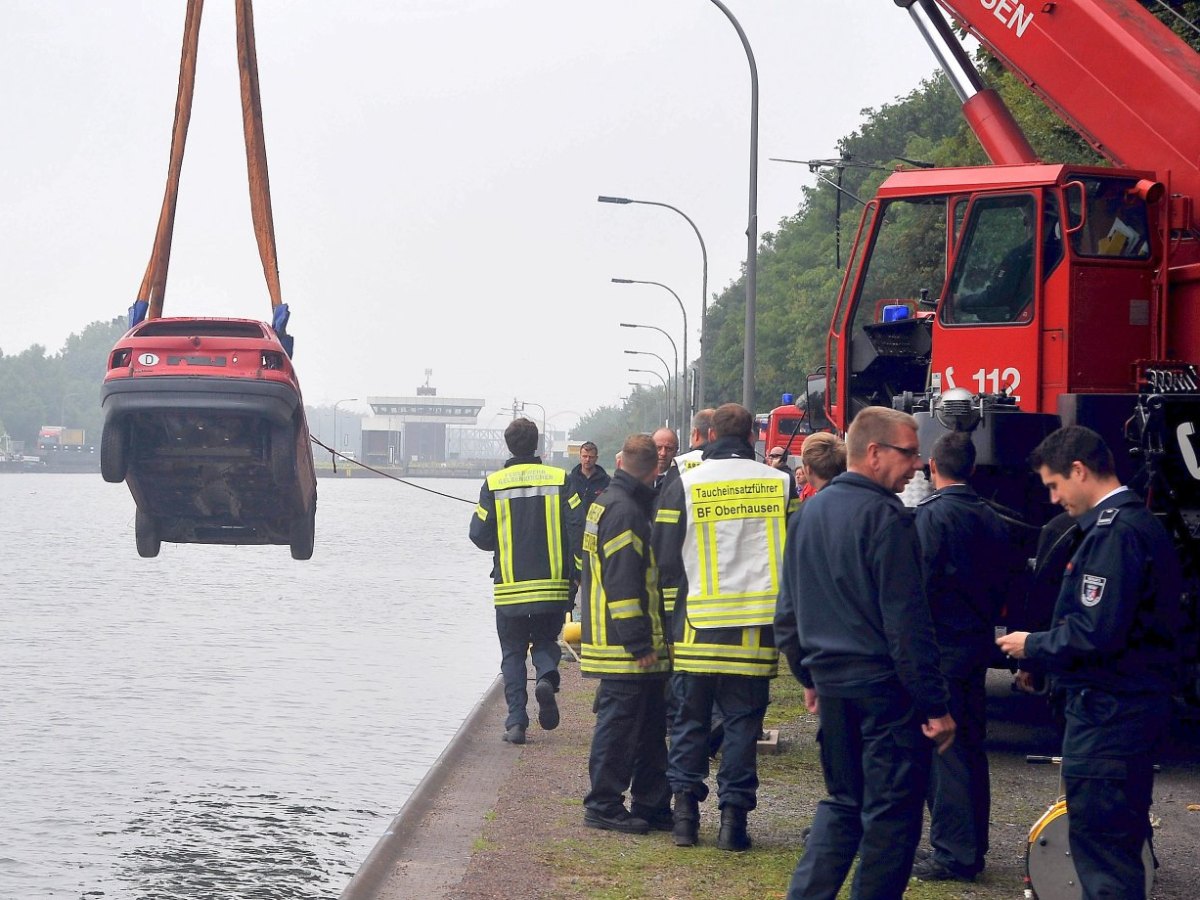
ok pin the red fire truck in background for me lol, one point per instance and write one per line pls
(784, 426)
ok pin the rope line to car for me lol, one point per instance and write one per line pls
(363, 465)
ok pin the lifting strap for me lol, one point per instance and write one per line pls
(150, 295)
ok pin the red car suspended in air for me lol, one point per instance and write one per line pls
(204, 420)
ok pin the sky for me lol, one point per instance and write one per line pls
(434, 168)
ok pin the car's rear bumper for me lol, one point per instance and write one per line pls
(274, 401)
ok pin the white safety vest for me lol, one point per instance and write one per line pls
(733, 546)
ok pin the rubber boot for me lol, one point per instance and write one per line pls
(732, 835)
(686, 830)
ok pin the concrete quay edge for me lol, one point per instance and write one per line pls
(426, 848)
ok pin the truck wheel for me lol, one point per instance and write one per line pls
(114, 451)
(283, 454)
(304, 534)
(145, 533)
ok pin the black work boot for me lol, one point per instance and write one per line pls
(687, 820)
(732, 835)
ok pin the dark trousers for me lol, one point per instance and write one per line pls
(516, 634)
(959, 789)
(876, 763)
(629, 747)
(1108, 773)
(742, 701)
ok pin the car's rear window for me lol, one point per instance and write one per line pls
(201, 328)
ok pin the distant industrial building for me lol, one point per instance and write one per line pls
(425, 429)
(431, 435)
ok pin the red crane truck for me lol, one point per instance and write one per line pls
(1035, 294)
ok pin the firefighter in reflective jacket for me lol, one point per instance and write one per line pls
(1112, 652)
(523, 519)
(719, 535)
(702, 434)
(623, 645)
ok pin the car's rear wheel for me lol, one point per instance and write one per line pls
(304, 533)
(145, 533)
(283, 454)
(114, 451)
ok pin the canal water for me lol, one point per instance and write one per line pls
(225, 722)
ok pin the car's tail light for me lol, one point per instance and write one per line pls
(120, 358)
(272, 360)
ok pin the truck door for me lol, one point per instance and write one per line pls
(987, 333)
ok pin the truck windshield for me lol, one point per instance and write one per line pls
(908, 256)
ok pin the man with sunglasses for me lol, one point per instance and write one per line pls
(854, 624)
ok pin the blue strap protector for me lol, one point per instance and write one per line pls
(138, 311)
(279, 322)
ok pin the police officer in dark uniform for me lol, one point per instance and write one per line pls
(1112, 652)
(968, 566)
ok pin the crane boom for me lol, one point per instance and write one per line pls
(1110, 69)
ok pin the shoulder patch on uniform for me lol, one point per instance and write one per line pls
(1092, 589)
(1108, 516)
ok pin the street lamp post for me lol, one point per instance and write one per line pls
(748, 358)
(682, 423)
(642, 384)
(660, 378)
(335, 428)
(703, 291)
(671, 396)
(524, 403)
(686, 392)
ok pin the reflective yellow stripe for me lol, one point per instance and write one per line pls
(706, 545)
(481, 512)
(668, 516)
(533, 597)
(504, 517)
(574, 501)
(526, 475)
(763, 668)
(624, 539)
(625, 609)
(596, 659)
(598, 623)
(531, 583)
(741, 612)
(749, 657)
(553, 536)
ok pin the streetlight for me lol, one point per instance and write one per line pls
(335, 430)
(656, 375)
(675, 350)
(524, 403)
(703, 284)
(643, 385)
(670, 395)
(686, 392)
(752, 224)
